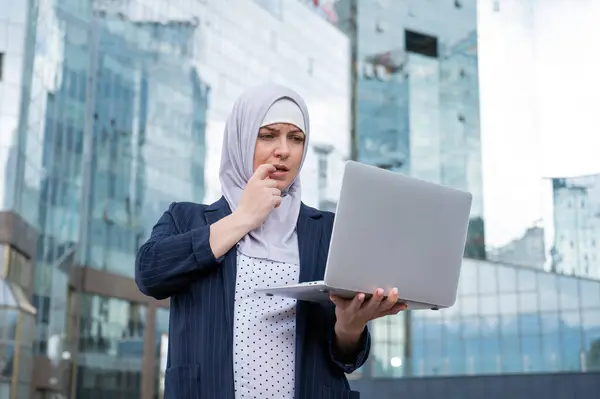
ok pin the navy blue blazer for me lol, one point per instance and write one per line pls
(177, 262)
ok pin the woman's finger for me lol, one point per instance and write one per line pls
(371, 308)
(391, 300)
(356, 303)
(397, 308)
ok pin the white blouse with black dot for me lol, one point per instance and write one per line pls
(264, 339)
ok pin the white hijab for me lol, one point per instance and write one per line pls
(276, 239)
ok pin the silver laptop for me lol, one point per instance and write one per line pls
(392, 230)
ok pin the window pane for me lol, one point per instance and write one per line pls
(549, 322)
(526, 280)
(508, 304)
(433, 331)
(468, 279)
(507, 279)
(509, 326)
(470, 306)
(488, 305)
(531, 353)
(590, 320)
(487, 278)
(548, 298)
(7, 352)
(571, 349)
(528, 303)
(551, 353)
(590, 293)
(112, 330)
(529, 324)
(568, 293)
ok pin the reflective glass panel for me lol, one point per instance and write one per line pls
(111, 346)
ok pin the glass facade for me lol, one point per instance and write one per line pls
(111, 340)
(576, 249)
(110, 111)
(116, 124)
(419, 114)
(16, 351)
(17, 324)
(13, 82)
(418, 96)
(507, 319)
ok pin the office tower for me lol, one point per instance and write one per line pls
(576, 249)
(513, 327)
(110, 111)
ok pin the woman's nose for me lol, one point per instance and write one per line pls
(283, 149)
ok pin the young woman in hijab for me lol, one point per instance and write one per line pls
(225, 341)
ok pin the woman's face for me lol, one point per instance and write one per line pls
(282, 145)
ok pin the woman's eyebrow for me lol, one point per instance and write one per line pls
(274, 130)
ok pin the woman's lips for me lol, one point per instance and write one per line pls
(278, 175)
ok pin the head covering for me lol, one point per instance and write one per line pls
(276, 239)
(284, 110)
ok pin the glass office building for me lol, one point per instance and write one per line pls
(507, 319)
(419, 114)
(418, 95)
(110, 111)
(576, 249)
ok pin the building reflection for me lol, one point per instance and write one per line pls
(576, 249)
(507, 319)
(105, 124)
(17, 320)
(110, 347)
(111, 129)
(418, 100)
(129, 103)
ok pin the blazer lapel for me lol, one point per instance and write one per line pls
(309, 240)
(214, 213)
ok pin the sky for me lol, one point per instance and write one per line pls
(539, 106)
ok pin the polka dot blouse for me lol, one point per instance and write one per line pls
(264, 331)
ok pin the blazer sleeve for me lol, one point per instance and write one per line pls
(347, 364)
(169, 260)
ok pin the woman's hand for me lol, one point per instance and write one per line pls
(260, 197)
(352, 315)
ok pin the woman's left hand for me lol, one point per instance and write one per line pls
(352, 315)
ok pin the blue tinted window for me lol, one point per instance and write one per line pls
(508, 304)
(526, 280)
(111, 330)
(529, 324)
(487, 279)
(468, 279)
(507, 279)
(590, 293)
(568, 291)
(548, 292)
(528, 302)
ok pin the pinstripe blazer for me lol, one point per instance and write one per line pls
(177, 262)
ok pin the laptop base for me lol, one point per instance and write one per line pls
(318, 291)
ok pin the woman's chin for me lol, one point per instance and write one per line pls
(282, 185)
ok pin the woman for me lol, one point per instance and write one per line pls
(225, 341)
